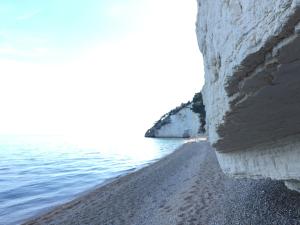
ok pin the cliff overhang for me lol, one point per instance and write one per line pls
(251, 53)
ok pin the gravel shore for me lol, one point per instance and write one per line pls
(184, 188)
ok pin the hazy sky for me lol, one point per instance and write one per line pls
(95, 67)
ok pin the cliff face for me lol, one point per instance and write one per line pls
(187, 120)
(181, 122)
(251, 53)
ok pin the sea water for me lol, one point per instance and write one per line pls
(37, 173)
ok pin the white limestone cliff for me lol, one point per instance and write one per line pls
(251, 52)
(181, 123)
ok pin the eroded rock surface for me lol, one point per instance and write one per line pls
(251, 53)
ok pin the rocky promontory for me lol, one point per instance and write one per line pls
(186, 120)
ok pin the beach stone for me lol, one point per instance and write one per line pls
(251, 52)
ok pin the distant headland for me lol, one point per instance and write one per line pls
(186, 120)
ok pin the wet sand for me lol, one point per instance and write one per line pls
(186, 187)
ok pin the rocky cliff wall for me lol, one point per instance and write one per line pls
(251, 53)
(179, 123)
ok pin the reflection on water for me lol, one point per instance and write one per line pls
(39, 172)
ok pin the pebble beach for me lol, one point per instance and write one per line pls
(186, 187)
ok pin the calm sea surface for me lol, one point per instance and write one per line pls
(37, 173)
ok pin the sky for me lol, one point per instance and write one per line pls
(95, 68)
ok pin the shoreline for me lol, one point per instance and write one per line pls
(107, 182)
(185, 187)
